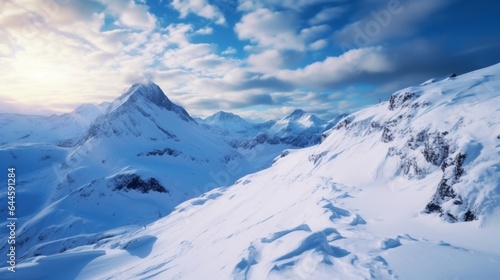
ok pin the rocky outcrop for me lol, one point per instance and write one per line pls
(128, 182)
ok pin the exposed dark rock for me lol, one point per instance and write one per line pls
(445, 190)
(469, 216)
(433, 208)
(167, 133)
(436, 148)
(316, 157)
(458, 166)
(418, 140)
(343, 123)
(375, 125)
(453, 170)
(388, 133)
(166, 151)
(282, 155)
(402, 100)
(411, 169)
(128, 182)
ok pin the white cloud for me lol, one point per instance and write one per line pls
(178, 33)
(328, 14)
(130, 14)
(199, 7)
(318, 45)
(314, 31)
(276, 30)
(338, 70)
(204, 31)
(249, 5)
(179, 57)
(61, 57)
(267, 62)
(229, 51)
(270, 29)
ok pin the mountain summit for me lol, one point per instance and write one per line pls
(141, 95)
(224, 119)
(143, 109)
(300, 118)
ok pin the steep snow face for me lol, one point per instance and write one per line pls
(443, 130)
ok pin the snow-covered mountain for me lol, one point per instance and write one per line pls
(261, 142)
(230, 122)
(297, 130)
(142, 157)
(405, 189)
(63, 130)
(234, 128)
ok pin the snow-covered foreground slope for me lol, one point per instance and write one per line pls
(384, 196)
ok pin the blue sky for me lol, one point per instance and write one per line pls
(257, 58)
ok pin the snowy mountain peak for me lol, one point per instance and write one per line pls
(143, 110)
(222, 116)
(145, 96)
(297, 113)
(149, 91)
(300, 118)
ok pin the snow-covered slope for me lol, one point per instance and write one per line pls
(406, 189)
(62, 130)
(135, 163)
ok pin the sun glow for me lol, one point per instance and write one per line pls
(41, 71)
(39, 76)
(41, 80)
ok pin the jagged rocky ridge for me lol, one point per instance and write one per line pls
(429, 129)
